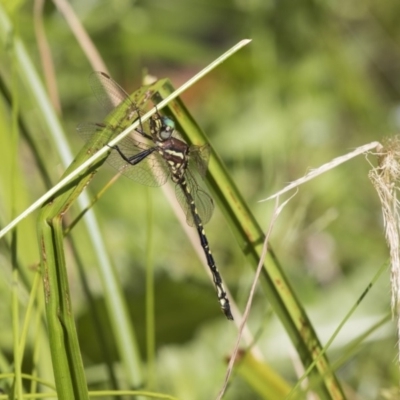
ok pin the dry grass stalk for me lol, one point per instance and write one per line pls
(384, 177)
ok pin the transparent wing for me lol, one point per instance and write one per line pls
(204, 204)
(151, 171)
(200, 156)
(123, 110)
(106, 90)
(202, 200)
(111, 95)
(87, 129)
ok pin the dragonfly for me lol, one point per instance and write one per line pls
(154, 153)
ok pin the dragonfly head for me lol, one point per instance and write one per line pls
(161, 126)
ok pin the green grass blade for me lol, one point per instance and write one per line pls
(265, 381)
(68, 367)
(117, 309)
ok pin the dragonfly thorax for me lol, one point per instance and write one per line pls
(176, 153)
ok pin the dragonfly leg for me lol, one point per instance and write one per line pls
(136, 158)
(144, 134)
(141, 130)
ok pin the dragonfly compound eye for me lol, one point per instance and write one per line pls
(167, 128)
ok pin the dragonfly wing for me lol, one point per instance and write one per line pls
(182, 199)
(202, 200)
(151, 171)
(204, 204)
(122, 109)
(106, 90)
(199, 156)
(86, 130)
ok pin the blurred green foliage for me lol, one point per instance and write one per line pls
(319, 79)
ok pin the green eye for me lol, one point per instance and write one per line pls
(168, 126)
(168, 123)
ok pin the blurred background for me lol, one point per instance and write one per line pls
(319, 79)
